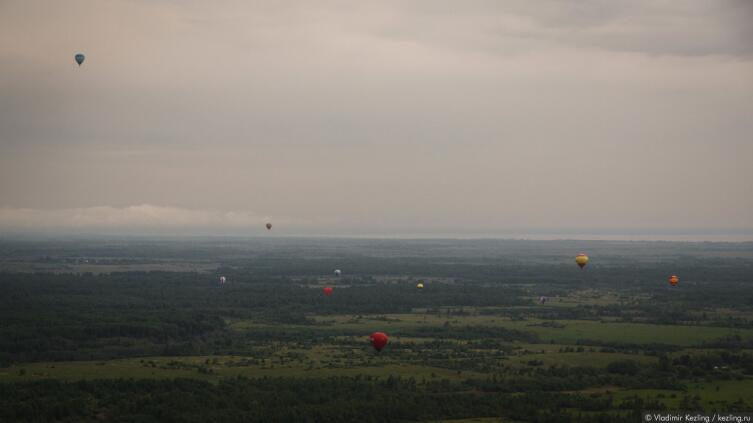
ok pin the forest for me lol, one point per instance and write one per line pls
(140, 330)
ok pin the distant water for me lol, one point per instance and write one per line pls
(726, 237)
(743, 235)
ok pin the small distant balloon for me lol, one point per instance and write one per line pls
(674, 280)
(581, 259)
(79, 58)
(223, 279)
(420, 285)
(542, 300)
(378, 340)
(328, 290)
(269, 226)
(338, 272)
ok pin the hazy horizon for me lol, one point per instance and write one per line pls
(743, 235)
(399, 119)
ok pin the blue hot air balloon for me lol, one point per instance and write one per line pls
(80, 58)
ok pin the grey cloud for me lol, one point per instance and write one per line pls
(688, 28)
(494, 114)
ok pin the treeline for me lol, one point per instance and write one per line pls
(340, 399)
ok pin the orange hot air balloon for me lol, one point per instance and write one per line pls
(674, 280)
(378, 340)
(581, 259)
(269, 226)
(327, 290)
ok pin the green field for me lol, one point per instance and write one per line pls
(570, 333)
(710, 394)
(216, 368)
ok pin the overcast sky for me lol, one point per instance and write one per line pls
(380, 117)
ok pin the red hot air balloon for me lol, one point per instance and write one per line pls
(674, 280)
(327, 290)
(269, 226)
(378, 340)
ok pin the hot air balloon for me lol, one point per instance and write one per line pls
(338, 272)
(542, 300)
(269, 226)
(581, 259)
(378, 340)
(222, 279)
(420, 285)
(79, 58)
(674, 280)
(327, 290)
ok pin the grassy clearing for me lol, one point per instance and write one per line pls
(549, 355)
(629, 333)
(564, 332)
(219, 367)
(585, 297)
(728, 390)
(83, 370)
(712, 394)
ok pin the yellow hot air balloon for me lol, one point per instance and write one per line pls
(420, 285)
(581, 259)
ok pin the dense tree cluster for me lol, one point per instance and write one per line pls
(362, 399)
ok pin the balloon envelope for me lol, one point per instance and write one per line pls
(420, 285)
(269, 226)
(674, 280)
(79, 58)
(222, 279)
(327, 290)
(378, 340)
(581, 259)
(338, 272)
